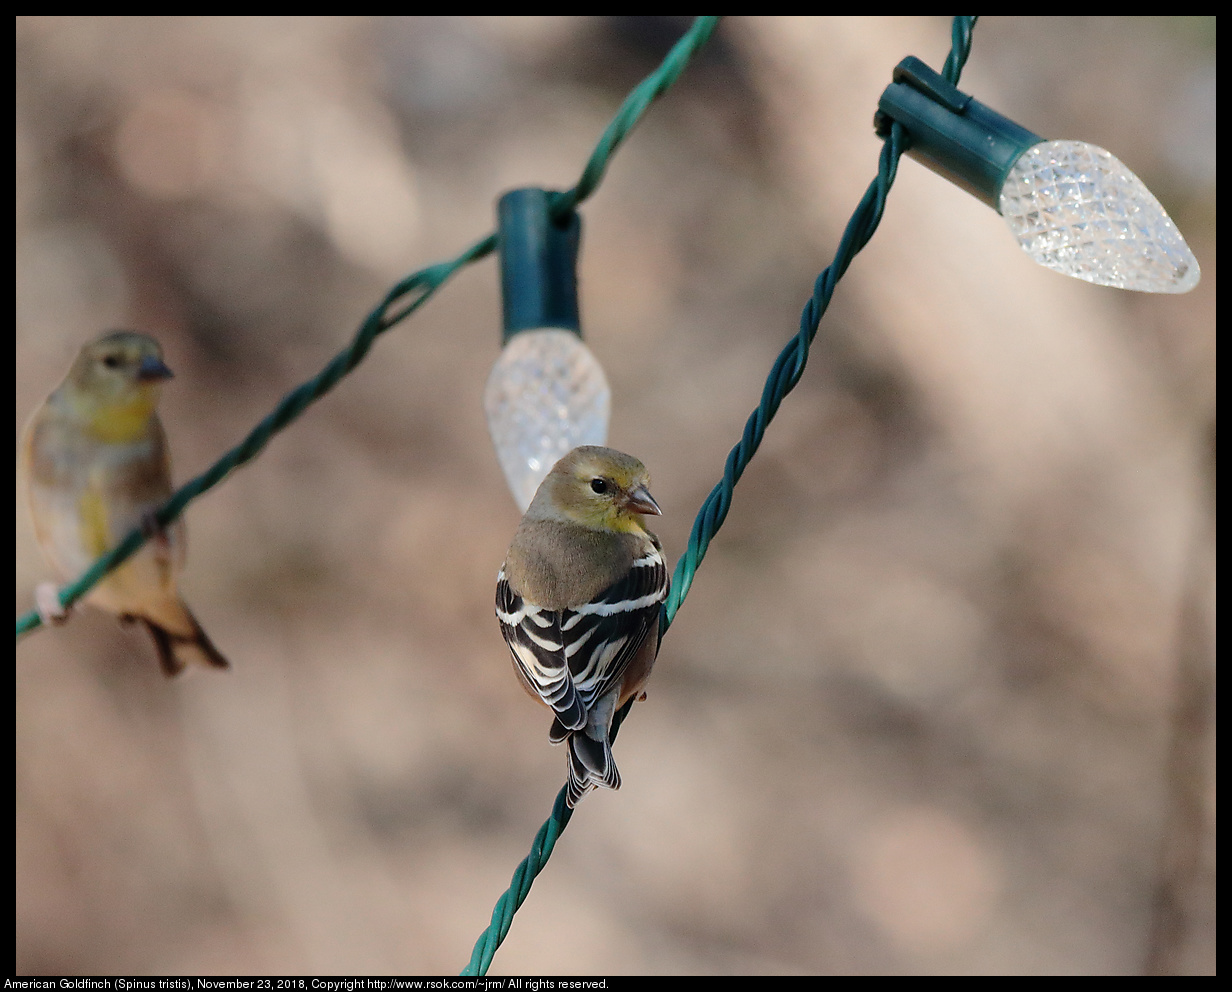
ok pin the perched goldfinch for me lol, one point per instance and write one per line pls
(95, 463)
(578, 600)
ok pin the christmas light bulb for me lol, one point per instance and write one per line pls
(547, 393)
(1072, 206)
(1078, 210)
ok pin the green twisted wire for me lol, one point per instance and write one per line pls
(960, 47)
(784, 374)
(631, 111)
(399, 303)
(789, 365)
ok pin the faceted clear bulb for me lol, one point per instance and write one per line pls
(1077, 209)
(546, 395)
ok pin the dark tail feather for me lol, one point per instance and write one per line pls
(174, 651)
(590, 764)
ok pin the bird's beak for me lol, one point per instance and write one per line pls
(640, 501)
(152, 369)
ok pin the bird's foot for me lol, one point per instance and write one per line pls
(47, 600)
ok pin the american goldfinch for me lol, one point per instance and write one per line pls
(578, 601)
(95, 463)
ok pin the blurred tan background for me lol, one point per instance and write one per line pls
(941, 698)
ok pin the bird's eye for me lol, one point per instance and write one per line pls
(599, 485)
(111, 361)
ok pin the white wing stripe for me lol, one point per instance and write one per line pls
(624, 606)
(548, 644)
(598, 664)
(541, 675)
(576, 646)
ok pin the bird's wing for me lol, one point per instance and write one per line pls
(602, 637)
(538, 647)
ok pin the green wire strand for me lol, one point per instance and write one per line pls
(631, 111)
(784, 374)
(789, 365)
(960, 47)
(399, 303)
(519, 888)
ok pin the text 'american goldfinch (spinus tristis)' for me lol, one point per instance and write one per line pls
(96, 466)
(578, 600)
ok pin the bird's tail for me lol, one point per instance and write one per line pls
(176, 650)
(590, 764)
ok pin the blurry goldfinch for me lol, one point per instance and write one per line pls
(95, 463)
(578, 601)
